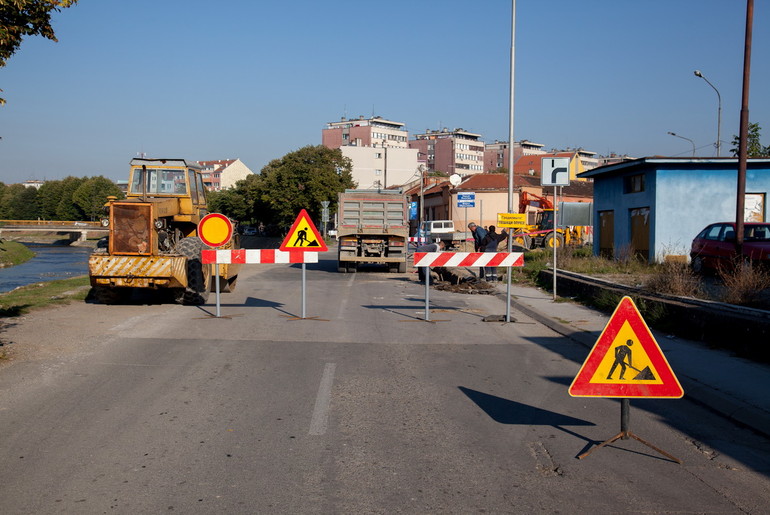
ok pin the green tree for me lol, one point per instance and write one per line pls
(299, 180)
(19, 18)
(49, 195)
(92, 194)
(230, 203)
(753, 146)
(19, 203)
(67, 209)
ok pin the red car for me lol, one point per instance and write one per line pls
(714, 248)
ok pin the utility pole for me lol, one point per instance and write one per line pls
(743, 143)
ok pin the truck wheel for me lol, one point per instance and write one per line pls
(402, 267)
(352, 268)
(198, 275)
(554, 240)
(342, 267)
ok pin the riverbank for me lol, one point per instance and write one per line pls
(14, 253)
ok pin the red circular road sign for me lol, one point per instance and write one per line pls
(215, 229)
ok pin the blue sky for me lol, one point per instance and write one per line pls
(251, 79)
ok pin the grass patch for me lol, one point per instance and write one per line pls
(14, 253)
(38, 295)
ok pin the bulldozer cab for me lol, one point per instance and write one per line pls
(166, 178)
(545, 220)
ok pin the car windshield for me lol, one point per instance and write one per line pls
(159, 182)
(756, 232)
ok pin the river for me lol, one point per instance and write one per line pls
(51, 262)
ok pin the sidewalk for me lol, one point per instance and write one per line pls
(735, 387)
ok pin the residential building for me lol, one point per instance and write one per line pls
(377, 148)
(32, 183)
(223, 174)
(653, 207)
(450, 152)
(496, 154)
(365, 132)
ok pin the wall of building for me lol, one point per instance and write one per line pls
(488, 205)
(235, 172)
(369, 165)
(687, 201)
(681, 201)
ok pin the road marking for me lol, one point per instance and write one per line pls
(344, 303)
(320, 420)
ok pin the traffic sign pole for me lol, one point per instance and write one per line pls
(215, 267)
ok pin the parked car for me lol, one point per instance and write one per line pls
(714, 247)
(249, 231)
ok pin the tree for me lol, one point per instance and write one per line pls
(66, 209)
(49, 195)
(19, 203)
(230, 203)
(753, 145)
(300, 180)
(19, 18)
(92, 194)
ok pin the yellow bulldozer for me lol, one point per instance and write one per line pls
(153, 241)
(542, 234)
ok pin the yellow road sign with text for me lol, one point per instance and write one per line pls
(512, 220)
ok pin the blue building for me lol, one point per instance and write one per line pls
(654, 206)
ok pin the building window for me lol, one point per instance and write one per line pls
(378, 172)
(633, 183)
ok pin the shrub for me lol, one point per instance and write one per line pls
(744, 283)
(674, 278)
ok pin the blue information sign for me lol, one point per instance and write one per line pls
(466, 199)
(413, 210)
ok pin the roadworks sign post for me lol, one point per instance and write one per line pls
(625, 362)
(215, 230)
(303, 237)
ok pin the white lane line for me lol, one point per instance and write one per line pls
(320, 420)
(344, 303)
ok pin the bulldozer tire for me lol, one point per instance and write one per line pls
(554, 240)
(522, 240)
(198, 275)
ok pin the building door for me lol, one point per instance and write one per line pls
(607, 234)
(640, 233)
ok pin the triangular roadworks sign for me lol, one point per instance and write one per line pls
(626, 361)
(303, 236)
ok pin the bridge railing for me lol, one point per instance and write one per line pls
(56, 223)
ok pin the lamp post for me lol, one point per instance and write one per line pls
(688, 139)
(719, 111)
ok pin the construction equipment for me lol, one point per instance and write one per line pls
(153, 241)
(372, 228)
(541, 233)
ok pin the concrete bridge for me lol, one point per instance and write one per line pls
(76, 230)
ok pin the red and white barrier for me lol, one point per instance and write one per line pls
(503, 259)
(264, 256)
(415, 239)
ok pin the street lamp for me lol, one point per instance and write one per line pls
(719, 111)
(688, 139)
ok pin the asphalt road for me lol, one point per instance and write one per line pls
(363, 407)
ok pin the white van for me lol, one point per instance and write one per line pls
(436, 227)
